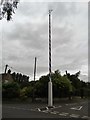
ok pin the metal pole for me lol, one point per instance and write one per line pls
(50, 98)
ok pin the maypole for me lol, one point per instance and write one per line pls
(50, 94)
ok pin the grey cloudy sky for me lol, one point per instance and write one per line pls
(26, 37)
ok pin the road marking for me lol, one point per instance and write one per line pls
(56, 107)
(77, 108)
(38, 109)
(85, 117)
(54, 112)
(42, 109)
(45, 111)
(80, 108)
(47, 108)
(74, 115)
(63, 114)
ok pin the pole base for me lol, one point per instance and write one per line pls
(50, 99)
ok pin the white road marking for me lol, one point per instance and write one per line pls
(85, 117)
(77, 108)
(53, 106)
(63, 114)
(45, 111)
(56, 107)
(54, 112)
(80, 108)
(74, 115)
(39, 109)
(47, 108)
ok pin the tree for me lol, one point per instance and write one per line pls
(74, 79)
(77, 74)
(41, 86)
(79, 86)
(14, 76)
(7, 8)
(61, 84)
(9, 71)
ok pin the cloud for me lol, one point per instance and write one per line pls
(84, 78)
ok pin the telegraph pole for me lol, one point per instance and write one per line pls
(34, 80)
(35, 68)
(50, 94)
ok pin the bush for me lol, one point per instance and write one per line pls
(23, 95)
(10, 90)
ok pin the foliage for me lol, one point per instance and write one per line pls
(10, 90)
(74, 79)
(29, 91)
(23, 95)
(41, 87)
(20, 78)
(80, 87)
(61, 84)
(7, 8)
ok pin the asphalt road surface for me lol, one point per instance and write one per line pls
(60, 110)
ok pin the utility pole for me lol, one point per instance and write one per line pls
(34, 79)
(50, 94)
(35, 68)
(6, 68)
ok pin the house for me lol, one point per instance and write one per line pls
(6, 77)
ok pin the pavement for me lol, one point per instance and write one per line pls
(66, 109)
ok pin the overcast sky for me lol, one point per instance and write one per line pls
(26, 37)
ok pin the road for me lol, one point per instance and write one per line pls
(60, 110)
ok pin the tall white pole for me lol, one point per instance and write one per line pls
(50, 94)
